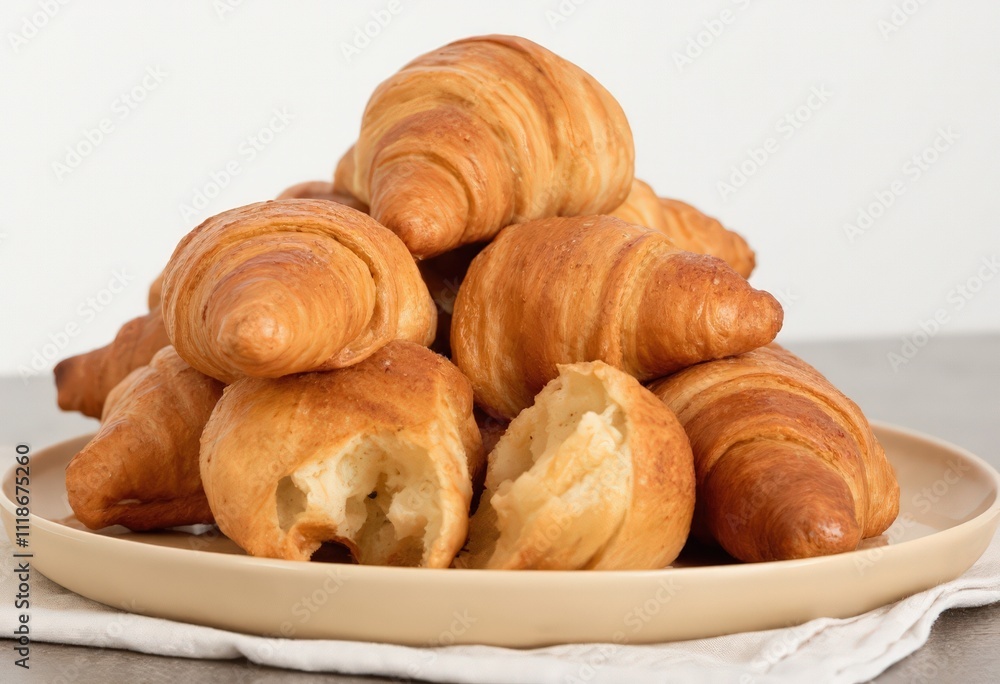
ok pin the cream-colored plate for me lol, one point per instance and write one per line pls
(949, 512)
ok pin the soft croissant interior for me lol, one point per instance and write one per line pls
(377, 495)
(559, 482)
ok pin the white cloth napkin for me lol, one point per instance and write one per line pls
(851, 650)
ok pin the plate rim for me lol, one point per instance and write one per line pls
(254, 563)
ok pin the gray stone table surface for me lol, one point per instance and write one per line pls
(950, 389)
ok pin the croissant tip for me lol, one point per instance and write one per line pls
(424, 238)
(70, 387)
(806, 535)
(256, 336)
(62, 371)
(777, 312)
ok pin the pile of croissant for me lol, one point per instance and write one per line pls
(484, 344)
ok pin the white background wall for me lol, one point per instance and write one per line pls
(225, 67)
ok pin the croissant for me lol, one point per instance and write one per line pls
(787, 466)
(288, 286)
(443, 275)
(594, 288)
(596, 474)
(84, 381)
(482, 133)
(323, 190)
(380, 457)
(141, 469)
(687, 227)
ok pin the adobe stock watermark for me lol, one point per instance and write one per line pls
(871, 556)
(786, 296)
(633, 622)
(246, 152)
(711, 30)
(927, 497)
(912, 171)
(901, 13)
(33, 23)
(303, 609)
(86, 313)
(365, 33)
(561, 12)
(785, 129)
(957, 299)
(461, 623)
(786, 642)
(223, 8)
(121, 108)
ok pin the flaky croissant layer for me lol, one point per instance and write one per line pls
(787, 466)
(482, 133)
(289, 286)
(596, 288)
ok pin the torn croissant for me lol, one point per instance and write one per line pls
(787, 466)
(593, 475)
(595, 288)
(688, 228)
(289, 286)
(482, 133)
(141, 469)
(379, 457)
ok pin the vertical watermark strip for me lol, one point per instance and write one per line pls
(22, 555)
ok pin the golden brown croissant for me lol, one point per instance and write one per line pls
(379, 456)
(322, 190)
(485, 132)
(689, 229)
(141, 469)
(787, 466)
(288, 286)
(596, 474)
(83, 381)
(596, 288)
